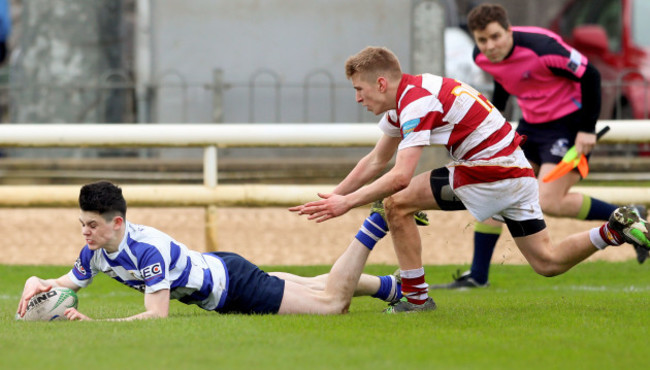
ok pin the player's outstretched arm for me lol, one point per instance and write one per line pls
(156, 304)
(35, 285)
(366, 169)
(331, 205)
(397, 179)
(349, 193)
(369, 166)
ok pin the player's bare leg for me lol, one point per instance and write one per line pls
(339, 289)
(400, 208)
(343, 278)
(551, 260)
(367, 285)
(625, 225)
(311, 282)
(555, 198)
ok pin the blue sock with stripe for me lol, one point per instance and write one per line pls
(389, 290)
(373, 229)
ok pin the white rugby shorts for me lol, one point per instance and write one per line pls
(513, 198)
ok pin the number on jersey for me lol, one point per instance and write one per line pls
(464, 90)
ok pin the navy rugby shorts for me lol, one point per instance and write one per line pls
(250, 290)
(548, 142)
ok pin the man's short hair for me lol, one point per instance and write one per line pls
(104, 198)
(372, 62)
(484, 14)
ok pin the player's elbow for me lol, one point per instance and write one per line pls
(156, 315)
(156, 312)
(162, 313)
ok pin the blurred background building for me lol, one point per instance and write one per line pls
(216, 61)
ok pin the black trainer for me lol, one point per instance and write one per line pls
(461, 281)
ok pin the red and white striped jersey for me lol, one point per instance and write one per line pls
(434, 110)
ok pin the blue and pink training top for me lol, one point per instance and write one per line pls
(542, 71)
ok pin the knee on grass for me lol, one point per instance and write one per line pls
(335, 303)
(339, 307)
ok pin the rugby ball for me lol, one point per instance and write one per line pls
(49, 306)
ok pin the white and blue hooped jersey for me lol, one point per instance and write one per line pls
(149, 260)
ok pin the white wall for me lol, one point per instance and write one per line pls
(290, 37)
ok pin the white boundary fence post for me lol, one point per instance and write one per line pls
(211, 214)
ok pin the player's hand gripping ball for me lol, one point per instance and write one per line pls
(49, 306)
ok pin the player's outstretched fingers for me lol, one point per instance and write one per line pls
(32, 288)
(73, 315)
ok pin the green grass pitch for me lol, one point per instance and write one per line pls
(593, 317)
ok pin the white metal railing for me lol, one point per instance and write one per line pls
(211, 136)
(208, 136)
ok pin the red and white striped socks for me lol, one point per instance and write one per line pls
(603, 236)
(414, 288)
